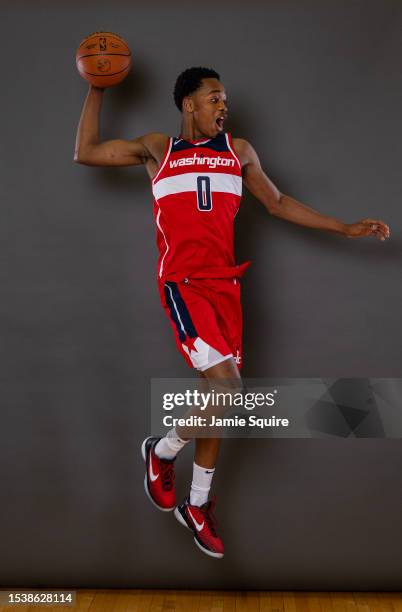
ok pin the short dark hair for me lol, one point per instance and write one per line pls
(189, 81)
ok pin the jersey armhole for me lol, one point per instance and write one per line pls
(231, 147)
(164, 159)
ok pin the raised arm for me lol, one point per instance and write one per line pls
(90, 151)
(285, 207)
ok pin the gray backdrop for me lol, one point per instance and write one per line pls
(316, 87)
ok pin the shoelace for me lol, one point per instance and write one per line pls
(167, 475)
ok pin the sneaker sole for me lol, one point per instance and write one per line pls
(144, 456)
(183, 522)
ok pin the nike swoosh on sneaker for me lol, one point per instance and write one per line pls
(198, 526)
(152, 475)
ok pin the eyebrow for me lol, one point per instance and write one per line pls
(216, 91)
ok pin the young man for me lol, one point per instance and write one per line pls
(196, 181)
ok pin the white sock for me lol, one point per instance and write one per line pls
(170, 445)
(202, 479)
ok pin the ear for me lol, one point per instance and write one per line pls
(188, 104)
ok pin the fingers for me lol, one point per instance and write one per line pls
(377, 228)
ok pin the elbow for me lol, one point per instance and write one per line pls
(78, 157)
(83, 155)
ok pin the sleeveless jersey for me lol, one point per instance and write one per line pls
(197, 193)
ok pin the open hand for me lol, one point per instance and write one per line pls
(368, 227)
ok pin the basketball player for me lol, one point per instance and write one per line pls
(196, 180)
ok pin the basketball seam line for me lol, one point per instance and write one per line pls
(99, 35)
(95, 54)
(106, 75)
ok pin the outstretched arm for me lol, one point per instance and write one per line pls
(288, 208)
(90, 151)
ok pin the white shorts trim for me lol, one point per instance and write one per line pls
(215, 362)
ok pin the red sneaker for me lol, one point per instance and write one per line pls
(159, 477)
(202, 523)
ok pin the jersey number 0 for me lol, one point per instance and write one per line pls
(204, 198)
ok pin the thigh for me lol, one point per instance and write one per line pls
(229, 316)
(193, 318)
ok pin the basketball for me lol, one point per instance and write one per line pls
(103, 59)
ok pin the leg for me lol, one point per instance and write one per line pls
(196, 512)
(206, 319)
(207, 449)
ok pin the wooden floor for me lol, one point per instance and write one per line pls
(223, 601)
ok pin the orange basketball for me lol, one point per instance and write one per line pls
(103, 59)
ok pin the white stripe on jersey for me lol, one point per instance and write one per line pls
(164, 160)
(231, 150)
(167, 246)
(220, 182)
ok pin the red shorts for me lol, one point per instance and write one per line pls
(206, 318)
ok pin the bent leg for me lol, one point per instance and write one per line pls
(224, 373)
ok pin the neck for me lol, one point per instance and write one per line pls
(189, 131)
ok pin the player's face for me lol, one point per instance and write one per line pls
(210, 107)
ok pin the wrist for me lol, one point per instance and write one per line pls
(97, 90)
(341, 228)
(346, 229)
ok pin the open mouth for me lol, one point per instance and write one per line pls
(219, 122)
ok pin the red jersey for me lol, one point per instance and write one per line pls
(197, 193)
